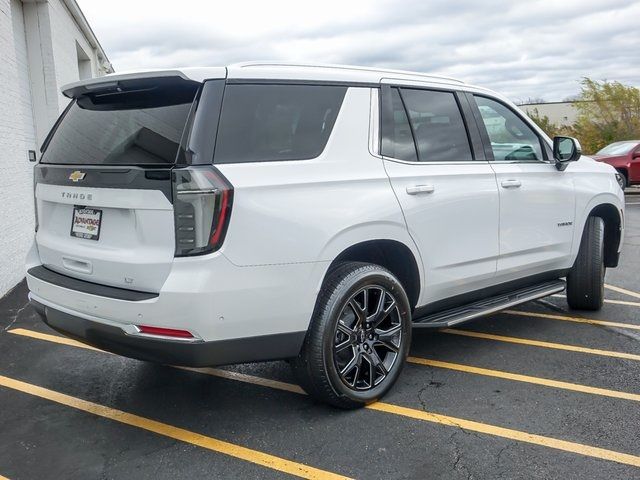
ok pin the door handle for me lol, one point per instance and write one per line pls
(511, 183)
(416, 189)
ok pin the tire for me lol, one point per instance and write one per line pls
(357, 344)
(624, 181)
(585, 281)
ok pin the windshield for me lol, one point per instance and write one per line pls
(139, 127)
(618, 148)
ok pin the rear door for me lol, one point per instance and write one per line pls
(446, 189)
(537, 202)
(103, 185)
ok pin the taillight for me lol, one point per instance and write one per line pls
(202, 200)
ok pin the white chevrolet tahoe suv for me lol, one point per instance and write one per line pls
(266, 211)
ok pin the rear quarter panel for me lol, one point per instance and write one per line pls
(311, 210)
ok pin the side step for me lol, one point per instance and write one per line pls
(454, 316)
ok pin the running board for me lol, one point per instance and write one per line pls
(454, 316)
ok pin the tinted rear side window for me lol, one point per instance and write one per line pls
(261, 123)
(438, 125)
(128, 128)
(397, 139)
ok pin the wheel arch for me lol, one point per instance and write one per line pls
(393, 255)
(613, 223)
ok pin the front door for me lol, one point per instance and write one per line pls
(537, 202)
(449, 198)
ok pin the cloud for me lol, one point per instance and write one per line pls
(539, 48)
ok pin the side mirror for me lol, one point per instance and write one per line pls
(565, 150)
(636, 154)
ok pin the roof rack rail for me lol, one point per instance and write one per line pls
(343, 67)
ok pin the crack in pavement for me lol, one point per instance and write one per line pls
(14, 315)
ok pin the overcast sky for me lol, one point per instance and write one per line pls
(521, 48)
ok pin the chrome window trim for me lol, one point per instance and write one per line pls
(374, 123)
(461, 162)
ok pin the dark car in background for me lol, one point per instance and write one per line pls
(625, 158)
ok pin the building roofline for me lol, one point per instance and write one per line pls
(83, 23)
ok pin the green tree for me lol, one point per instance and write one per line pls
(608, 112)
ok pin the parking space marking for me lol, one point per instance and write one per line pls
(517, 435)
(243, 377)
(52, 338)
(492, 430)
(3, 478)
(607, 300)
(290, 387)
(622, 290)
(538, 343)
(217, 372)
(576, 387)
(603, 323)
(166, 430)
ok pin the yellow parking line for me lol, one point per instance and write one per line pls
(538, 343)
(290, 387)
(217, 372)
(243, 377)
(511, 434)
(53, 338)
(210, 443)
(576, 387)
(572, 447)
(566, 318)
(607, 300)
(622, 290)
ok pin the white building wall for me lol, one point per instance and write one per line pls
(65, 33)
(38, 54)
(17, 136)
(560, 113)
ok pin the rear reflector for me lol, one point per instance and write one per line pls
(164, 332)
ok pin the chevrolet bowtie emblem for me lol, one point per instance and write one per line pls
(77, 176)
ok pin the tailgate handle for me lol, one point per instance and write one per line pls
(76, 265)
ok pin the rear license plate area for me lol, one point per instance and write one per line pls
(86, 223)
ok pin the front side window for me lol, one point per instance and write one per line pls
(438, 126)
(511, 138)
(261, 123)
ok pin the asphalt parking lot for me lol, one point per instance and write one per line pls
(540, 392)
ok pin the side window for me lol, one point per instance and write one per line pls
(438, 126)
(261, 123)
(397, 139)
(511, 138)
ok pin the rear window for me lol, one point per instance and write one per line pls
(261, 123)
(137, 127)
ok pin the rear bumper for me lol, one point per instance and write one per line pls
(207, 295)
(116, 340)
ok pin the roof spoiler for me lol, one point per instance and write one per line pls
(115, 82)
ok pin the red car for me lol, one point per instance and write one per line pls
(625, 158)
